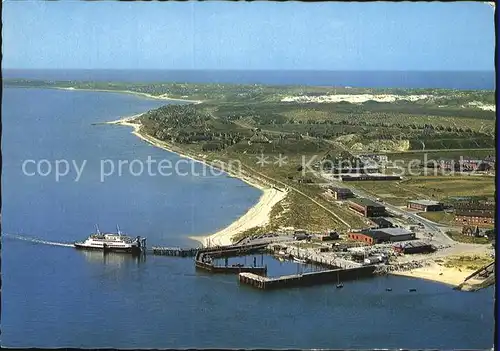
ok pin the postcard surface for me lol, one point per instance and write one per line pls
(248, 175)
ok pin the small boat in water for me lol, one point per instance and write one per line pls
(412, 290)
(300, 260)
(339, 284)
(112, 242)
(388, 289)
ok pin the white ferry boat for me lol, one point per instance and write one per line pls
(112, 242)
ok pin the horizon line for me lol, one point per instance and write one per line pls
(493, 70)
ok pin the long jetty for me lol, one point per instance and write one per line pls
(173, 251)
(306, 279)
(216, 251)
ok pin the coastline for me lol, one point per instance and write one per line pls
(257, 216)
(437, 273)
(137, 93)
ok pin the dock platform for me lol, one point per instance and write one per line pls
(173, 251)
(233, 269)
(204, 258)
(306, 279)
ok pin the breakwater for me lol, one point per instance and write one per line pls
(306, 279)
(204, 259)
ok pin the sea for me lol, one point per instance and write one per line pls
(55, 296)
(463, 80)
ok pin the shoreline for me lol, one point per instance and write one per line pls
(137, 93)
(437, 273)
(256, 216)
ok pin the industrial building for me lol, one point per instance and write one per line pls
(342, 193)
(377, 236)
(475, 217)
(425, 205)
(358, 177)
(469, 230)
(414, 248)
(382, 222)
(475, 205)
(329, 235)
(367, 207)
(357, 170)
(463, 165)
(374, 158)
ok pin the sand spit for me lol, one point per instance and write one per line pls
(145, 95)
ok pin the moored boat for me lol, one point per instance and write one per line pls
(112, 242)
(300, 260)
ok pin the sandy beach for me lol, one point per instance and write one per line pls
(435, 272)
(256, 216)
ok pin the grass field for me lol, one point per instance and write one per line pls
(457, 236)
(443, 187)
(389, 191)
(438, 188)
(472, 262)
(440, 217)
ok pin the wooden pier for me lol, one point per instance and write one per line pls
(306, 279)
(174, 251)
(232, 251)
(232, 269)
(204, 259)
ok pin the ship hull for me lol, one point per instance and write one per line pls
(128, 250)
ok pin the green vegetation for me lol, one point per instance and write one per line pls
(241, 122)
(440, 217)
(439, 188)
(457, 236)
(471, 262)
(444, 187)
(446, 119)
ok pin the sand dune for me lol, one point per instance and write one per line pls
(353, 98)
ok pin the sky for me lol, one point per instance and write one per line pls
(454, 36)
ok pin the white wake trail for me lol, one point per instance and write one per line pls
(36, 240)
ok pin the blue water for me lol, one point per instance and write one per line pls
(53, 125)
(368, 79)
(54, 296)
